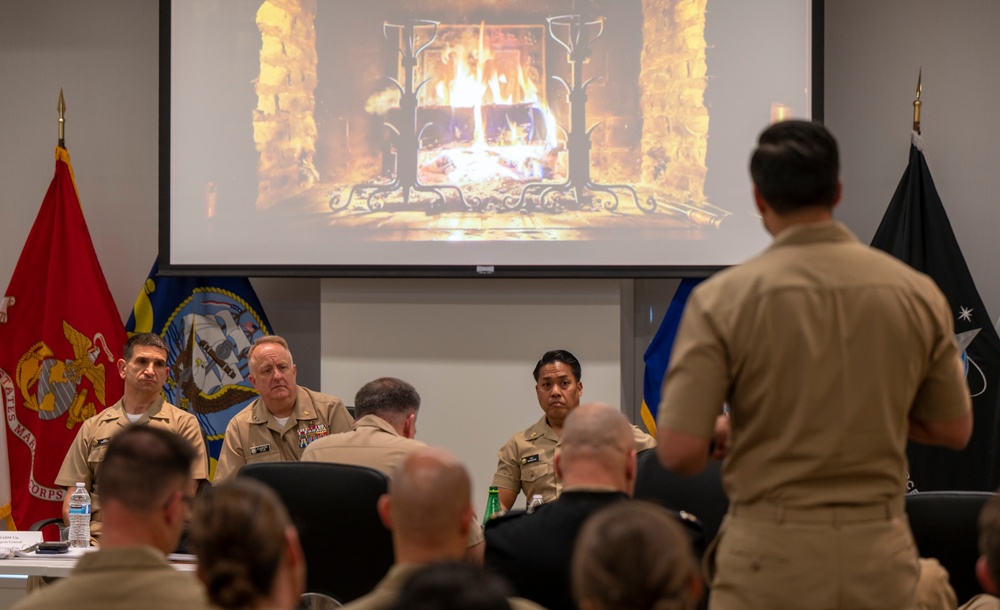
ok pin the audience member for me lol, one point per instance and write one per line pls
(147, 488)
(525, 462)
(278, 426)
(452, 585)
(634, 556)
(248, 550)
(596, 462)
(988, 566)
(829, 354)
(430, 514)
(144, 369)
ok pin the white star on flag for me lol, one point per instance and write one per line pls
(965, 313)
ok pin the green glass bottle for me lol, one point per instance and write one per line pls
(492, 505)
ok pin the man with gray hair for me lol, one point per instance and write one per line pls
(386, 410)
(147, 486)
(278, 426)
(596, 463)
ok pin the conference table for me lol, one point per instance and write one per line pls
(59, 566)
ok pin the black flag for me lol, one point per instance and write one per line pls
(915, 229)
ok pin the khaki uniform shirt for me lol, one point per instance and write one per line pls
(87, 451)
(387, 590)
(981, 602)
(526, 462)
(254, 435)
(375, 444)
(121, 578)
(823, 348)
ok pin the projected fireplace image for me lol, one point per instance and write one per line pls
(454, 120)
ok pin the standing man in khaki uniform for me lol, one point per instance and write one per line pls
(525, 462)
(144, 369)
(383, 436)
(278, 426)
(830, 354)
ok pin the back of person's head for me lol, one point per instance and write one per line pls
(238, 534)
(428, 507)
(597, 434)
(452, 585)
(143, 466)
(387, 397)
(988, 568)
(145, 340)
(796, 165)
(559, 355)
(634, 556)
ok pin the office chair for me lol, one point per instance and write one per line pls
(944, 525)
(347, 548)
(700, 495)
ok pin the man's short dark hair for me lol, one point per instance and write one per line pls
(452, 585)
(386, 396)
(796, 165)
(989, 536)
(143, 465)
(143, 339)
(559, 355)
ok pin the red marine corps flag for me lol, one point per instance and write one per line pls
(60, 336)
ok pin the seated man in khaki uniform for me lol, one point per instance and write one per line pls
(386, 409)
(525, 462)
(147, 485)
(429, 510)
(278, 426)
(144, 369)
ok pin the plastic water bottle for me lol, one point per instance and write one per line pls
(536, 501)
(79, 518)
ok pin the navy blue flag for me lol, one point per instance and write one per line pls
(657, 355)
(209, 325)
(915, 229)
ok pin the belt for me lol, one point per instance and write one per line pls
(828, 513)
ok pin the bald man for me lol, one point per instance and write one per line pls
(596, 463)
(430, 514)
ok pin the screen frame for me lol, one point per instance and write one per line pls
(168, 268)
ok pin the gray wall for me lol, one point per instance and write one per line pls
(103, 53)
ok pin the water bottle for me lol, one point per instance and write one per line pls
(492, 504)
(536, 501)
(79, 518)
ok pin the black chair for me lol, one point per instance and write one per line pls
(700, 495)
(944, 525)
(347, 548)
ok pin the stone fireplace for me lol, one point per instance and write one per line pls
(492, 115)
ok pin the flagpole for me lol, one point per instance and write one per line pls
(917, 103)
(61, 107)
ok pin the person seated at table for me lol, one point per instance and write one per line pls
(147, 486)
(248, 550)
(634, 555)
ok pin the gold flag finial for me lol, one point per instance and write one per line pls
(917, 103)
(61, 107)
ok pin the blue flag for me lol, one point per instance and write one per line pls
(657, 355)
(209, 325)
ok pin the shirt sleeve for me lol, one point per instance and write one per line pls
(190, 429)
(697, 380)
(943, 394)
(75, 468)
(231, 457)
(340, 418)
(508, 474)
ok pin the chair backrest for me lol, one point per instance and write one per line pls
(700, 495)
(347, 548)
(944, 525)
